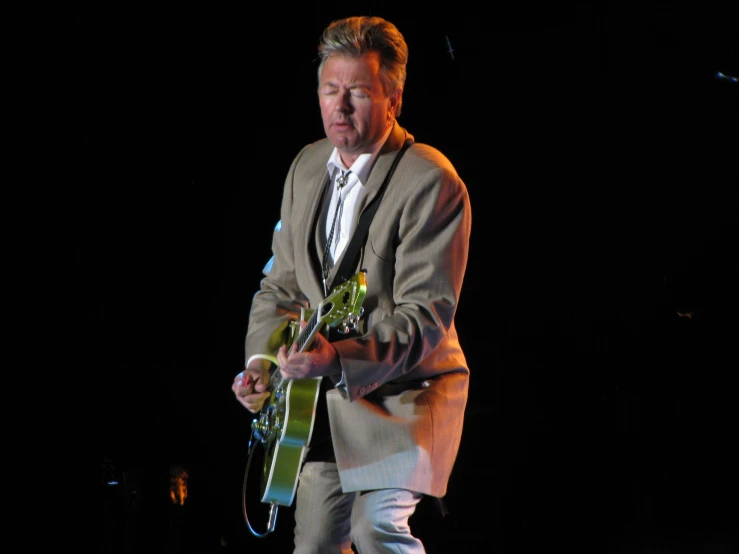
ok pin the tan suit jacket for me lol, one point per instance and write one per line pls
(397, 421)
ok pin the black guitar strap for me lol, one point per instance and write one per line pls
(349, 261)
(321, 448)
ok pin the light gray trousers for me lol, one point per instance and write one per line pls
(328, 521)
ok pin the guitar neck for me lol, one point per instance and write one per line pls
(307, 333)
(343, 304)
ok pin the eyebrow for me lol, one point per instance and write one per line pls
(350, 87)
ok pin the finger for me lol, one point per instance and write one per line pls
(285, 373)
(254, 402)
(241, 381)
(282, 356)
(244, 379)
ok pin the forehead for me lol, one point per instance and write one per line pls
(341, 69)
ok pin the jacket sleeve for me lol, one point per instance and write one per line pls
(278, 301)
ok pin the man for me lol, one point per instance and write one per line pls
(388, 421)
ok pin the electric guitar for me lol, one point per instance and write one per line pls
(285, 423)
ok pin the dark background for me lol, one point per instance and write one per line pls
(599, 310)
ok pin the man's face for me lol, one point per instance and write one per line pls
(355, 110)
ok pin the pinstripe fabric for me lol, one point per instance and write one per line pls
(379, 519)
(397, 420)
(322, 512)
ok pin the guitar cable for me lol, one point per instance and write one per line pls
(273, 507)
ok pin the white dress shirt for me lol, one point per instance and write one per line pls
(351, 193)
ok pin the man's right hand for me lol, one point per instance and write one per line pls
(250, 388)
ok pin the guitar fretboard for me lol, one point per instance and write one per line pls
(276, 380)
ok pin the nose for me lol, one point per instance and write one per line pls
(343, 101)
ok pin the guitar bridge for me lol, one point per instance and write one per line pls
(269, 423)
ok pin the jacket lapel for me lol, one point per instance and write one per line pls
(384, 161)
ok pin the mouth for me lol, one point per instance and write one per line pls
(342, 125)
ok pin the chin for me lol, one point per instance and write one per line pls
(342, 141)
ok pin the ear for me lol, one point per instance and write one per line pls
(394, 101)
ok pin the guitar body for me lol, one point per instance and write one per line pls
(296, 408)
(285, 423)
